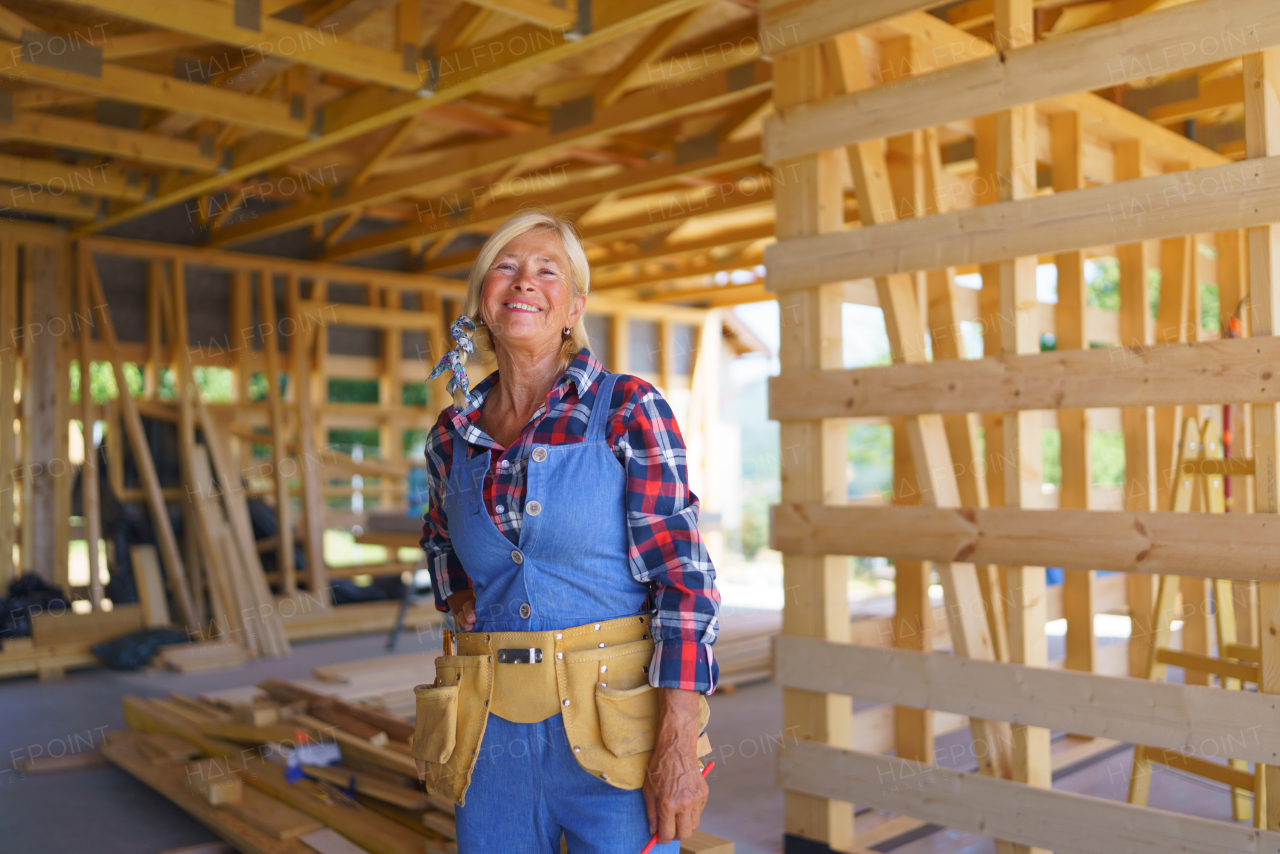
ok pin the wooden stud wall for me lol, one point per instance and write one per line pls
(1156, 374)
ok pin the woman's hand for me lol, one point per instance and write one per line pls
(463, 606)
(674, 791)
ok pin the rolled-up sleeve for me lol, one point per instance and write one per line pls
(666, 549)
(447, 574)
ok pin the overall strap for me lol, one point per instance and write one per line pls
(459, 450)
(600, 409)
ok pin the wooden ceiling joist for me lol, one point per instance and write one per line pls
(212, 21)
(611, 19)
(636, 110)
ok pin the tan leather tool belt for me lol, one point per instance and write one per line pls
(594, 675)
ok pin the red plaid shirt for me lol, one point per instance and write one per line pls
(666, 550)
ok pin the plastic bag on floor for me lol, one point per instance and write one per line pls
(135, 651)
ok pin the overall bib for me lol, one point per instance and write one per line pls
(558, 616)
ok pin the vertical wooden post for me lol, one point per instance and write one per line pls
(391, 396)
(1067, 144)
(319, 352)
(1019, 333)
(1138, 421)
(63, 341)
(40, 413)
(620, 345)
(808, 201)
(8, 377)
(151, 367)
(301, 349)
(280, 460)
(89, 496)
(1173, 323)
(1262, 139)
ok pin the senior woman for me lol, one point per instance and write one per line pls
(562, 537)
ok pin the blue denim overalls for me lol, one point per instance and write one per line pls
(571, 567)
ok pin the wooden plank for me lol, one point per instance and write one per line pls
(280, 459)
(1235, 545)
(301, 347)
(146, 575)
(271, 816)
(175, 571)
(1217, 371)
(1198, 201)
(1188, 718)
(89, 485)
(1096, 58)
(1065, 822)
(40, 414)
(787, 25)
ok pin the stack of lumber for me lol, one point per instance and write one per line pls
(202, 657)
(205, 755)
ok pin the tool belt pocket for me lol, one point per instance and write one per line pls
(628, 718)
(435, 731)
(451, 716)
(611, 717)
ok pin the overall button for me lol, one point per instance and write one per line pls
(539, 454)
(516, 556)
(525, 611)
(533, 508)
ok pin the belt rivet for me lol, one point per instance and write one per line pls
(602, 646)
(597, 627)
(604, 684)
(604, 668)
(559, 635)
(566, 702)
(559, 655)
(577, 750)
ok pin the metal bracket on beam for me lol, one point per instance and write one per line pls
(249, 15)
(572, 114)
(433, 70)
(65, 53)
(698, 147)
(582, 26)
(741, 76)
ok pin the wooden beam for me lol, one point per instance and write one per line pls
(321, 49)
(1262, 140)
(612, 85)
(812, 459)
(1199, 201)
(128, 145)
(279, 448)
(733, 155)
(1159, 714)
(544, 13)
(301, 347)
(346, 119)
(1157, 543)
(787, 25)
(165, 92)
(1062, 821)
(1215, 371)
(1103, 56)
(636, 110)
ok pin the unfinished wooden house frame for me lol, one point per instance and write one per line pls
(864, 92)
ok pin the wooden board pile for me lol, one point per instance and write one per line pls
(210, 756)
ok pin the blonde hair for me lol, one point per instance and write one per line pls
(579, 276)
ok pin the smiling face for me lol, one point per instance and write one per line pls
(527, 298)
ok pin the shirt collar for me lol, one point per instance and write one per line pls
(583, 372)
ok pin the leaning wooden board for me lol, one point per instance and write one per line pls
(171, 781)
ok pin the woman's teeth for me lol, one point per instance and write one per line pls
(520, 306)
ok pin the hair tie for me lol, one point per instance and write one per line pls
(460, 330)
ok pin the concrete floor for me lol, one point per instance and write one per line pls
(105, 811)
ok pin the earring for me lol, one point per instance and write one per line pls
(566, 330)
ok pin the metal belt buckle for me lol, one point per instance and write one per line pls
(532, 655)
